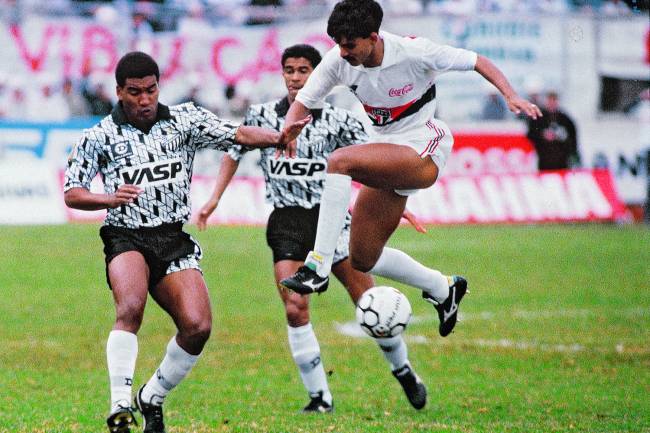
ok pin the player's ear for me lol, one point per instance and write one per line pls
(374, 37)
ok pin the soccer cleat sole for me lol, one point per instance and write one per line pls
(120, 422)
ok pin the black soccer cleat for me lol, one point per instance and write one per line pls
(448, 309)
(305, 281)
(413, 387)
(151, 414)
(121, 420)
(318, 405)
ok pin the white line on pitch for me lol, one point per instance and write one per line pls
(352, 329)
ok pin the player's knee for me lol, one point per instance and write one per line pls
(297, 313)
(196, 330)
(339, 163)
(362, 264)
(129, 315)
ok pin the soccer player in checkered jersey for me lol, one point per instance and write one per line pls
(394, 78)
(294, 187)
(144, 152)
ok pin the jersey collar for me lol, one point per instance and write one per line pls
(282, 107)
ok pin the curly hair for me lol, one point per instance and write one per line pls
(353, 19)
(135, 64)
(302, 50)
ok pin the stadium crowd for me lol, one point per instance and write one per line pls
(68, 98)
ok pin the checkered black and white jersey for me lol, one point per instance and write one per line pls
(160, 162)
(299, 181)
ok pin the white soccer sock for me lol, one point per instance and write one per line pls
(121, 354)
(399, 266)
(331, 219)
(306, 353)
(394, 350)
(176, 364)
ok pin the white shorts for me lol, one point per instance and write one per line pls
(432, 139)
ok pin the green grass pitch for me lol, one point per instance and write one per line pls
(555, 337)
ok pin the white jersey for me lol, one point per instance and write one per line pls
(399, 95)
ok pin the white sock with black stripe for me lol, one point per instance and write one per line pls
(306, 353)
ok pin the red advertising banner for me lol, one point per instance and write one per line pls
(558, 196)
(484, 153)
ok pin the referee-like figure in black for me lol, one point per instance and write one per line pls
(144, 152)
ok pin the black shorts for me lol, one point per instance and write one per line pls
(291, 234)
(161, 247)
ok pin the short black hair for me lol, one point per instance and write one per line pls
(353, 19)
(135, 64)
(302, 50)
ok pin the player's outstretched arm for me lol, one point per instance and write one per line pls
(516, 103)
(255, 136)
(297, 111)
(81, 198)
(227, 170)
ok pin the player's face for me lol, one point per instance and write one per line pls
(295, 72)
(139, 98)
(358, 51)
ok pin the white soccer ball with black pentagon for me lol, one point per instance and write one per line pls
(383, 312)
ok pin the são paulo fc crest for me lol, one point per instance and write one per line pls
(380, 116)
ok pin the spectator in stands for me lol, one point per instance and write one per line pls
(554, 136)
(77, 105)
(237, 102)
(99, 101)
(494, 106)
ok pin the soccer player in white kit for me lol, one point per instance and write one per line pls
(394, 78)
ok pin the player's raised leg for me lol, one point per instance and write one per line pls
(303, 343)
(128, 275)
(184, 296)
(377, 165)
(375, 218)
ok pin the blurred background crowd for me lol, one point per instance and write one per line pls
(585, 62)
(57, 98)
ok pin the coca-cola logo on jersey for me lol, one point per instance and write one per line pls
(400, 92)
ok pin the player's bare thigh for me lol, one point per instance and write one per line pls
(384, 165)
(296, 306)
(354, 281)
(185, 297)
(128, 274)
(376, 215)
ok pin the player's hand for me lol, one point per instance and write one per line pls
(289, 150)
(287, 141)
(412, 219)
(125, 194)
(205, 212)
(517, 105)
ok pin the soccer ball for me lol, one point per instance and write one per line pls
(383, 312)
